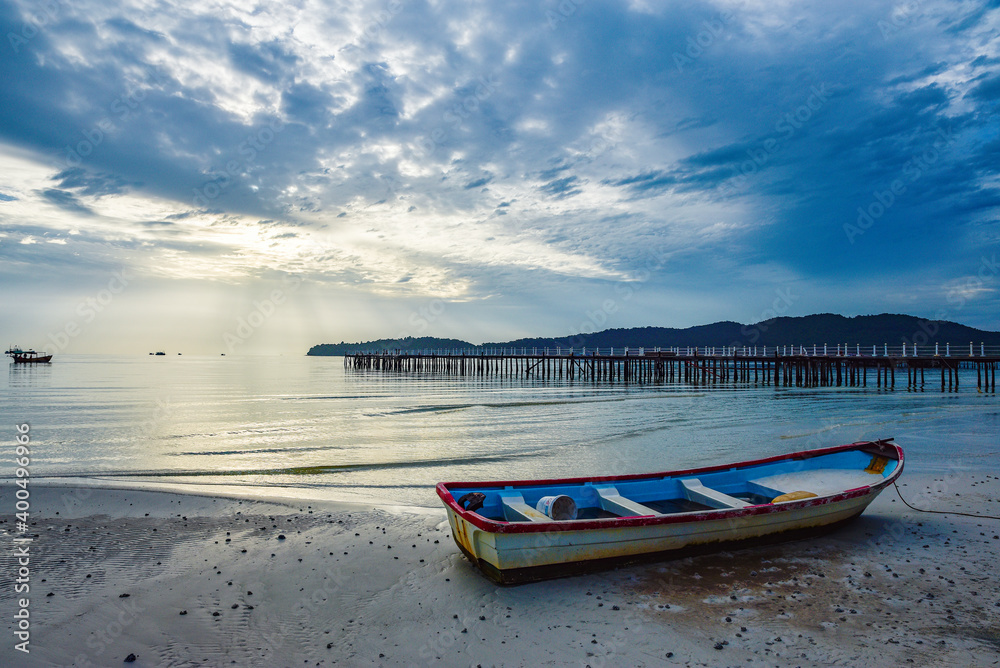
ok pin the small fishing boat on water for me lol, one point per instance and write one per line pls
(27, 356)
(522, 531)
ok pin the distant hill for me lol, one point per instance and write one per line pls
(829, 328)
(409, 343)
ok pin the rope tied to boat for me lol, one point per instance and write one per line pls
(940, 512)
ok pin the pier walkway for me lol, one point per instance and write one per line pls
(783, 366)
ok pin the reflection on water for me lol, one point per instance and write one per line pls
(305, 421)
(29, 375)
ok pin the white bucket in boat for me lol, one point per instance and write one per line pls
(559, 507)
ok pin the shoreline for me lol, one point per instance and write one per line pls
(356, 584)
(223, 491)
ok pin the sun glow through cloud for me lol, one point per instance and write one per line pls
(522, 159)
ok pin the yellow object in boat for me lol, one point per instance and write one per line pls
(793, 496)
(877, 464)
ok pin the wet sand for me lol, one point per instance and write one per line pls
(186, 580)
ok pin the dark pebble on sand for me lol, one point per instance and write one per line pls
(235, 605)
(718, 645)
(130, 658)
(183, 612)
(281, 536)
(123, 595)
(216, 613)
(50, 594)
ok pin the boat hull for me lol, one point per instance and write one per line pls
(520, 558)
(518, 552)
(39, 359)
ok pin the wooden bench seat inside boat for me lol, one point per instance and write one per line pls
(613, 502)
(516, 510)
(695, 491)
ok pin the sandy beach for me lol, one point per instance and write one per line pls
(189, 580)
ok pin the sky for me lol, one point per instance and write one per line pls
(256, 178)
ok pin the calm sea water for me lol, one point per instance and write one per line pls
(307, 423)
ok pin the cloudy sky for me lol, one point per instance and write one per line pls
(259, 177)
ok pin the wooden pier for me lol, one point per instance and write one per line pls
(782, 366)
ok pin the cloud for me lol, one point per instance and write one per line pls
(270, 62)
(561, 188)
(65, 200)
(482, 150)
(85, 183)
(987, 90)
(478, 183)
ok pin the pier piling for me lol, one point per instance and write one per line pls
(787, 366)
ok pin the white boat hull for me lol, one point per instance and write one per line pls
(509, 553)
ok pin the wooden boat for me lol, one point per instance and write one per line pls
(508, 528)
(27, 356)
